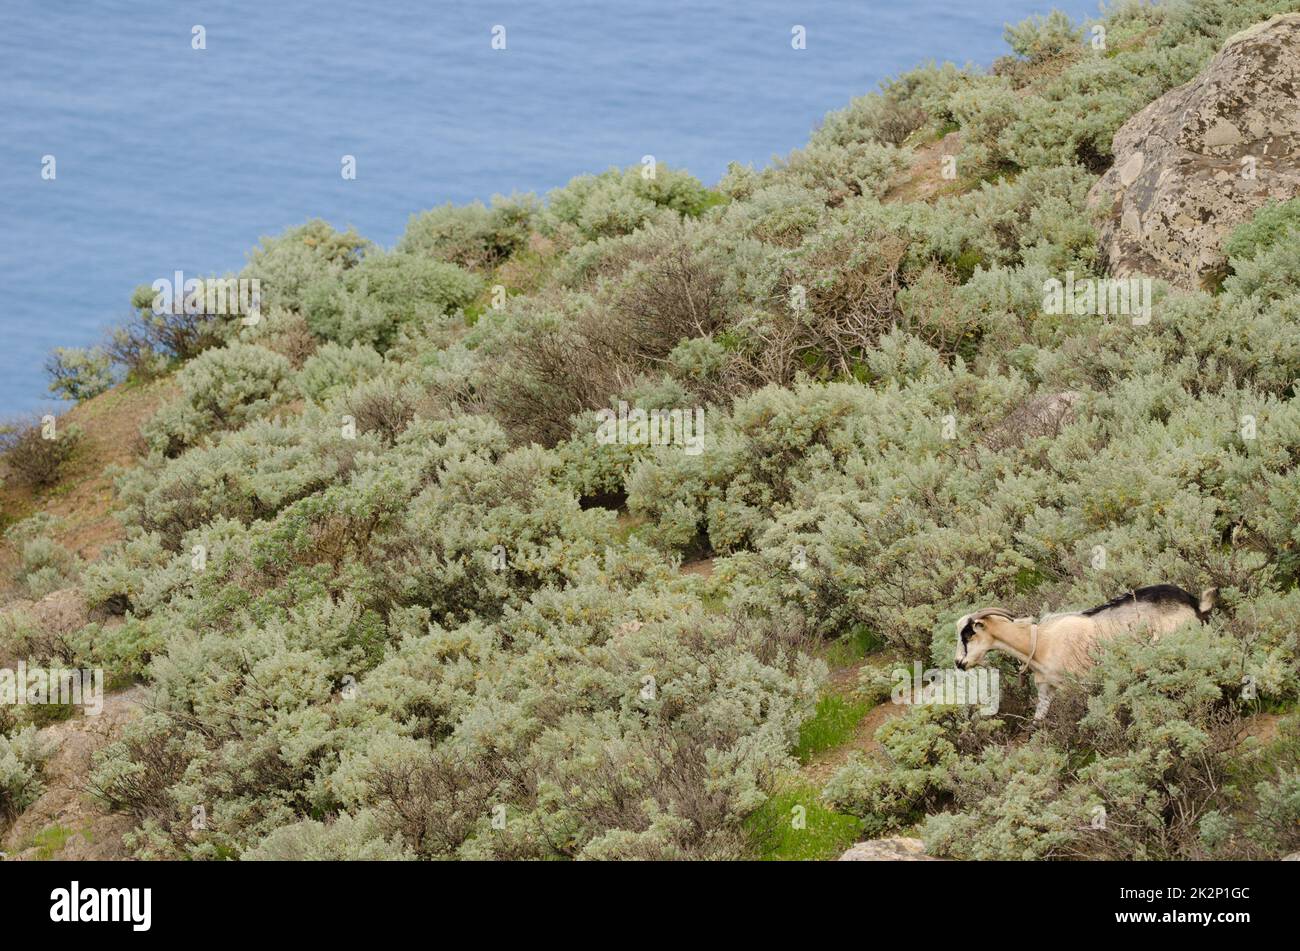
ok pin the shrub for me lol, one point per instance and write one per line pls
(286, 333)
(984, 111)
(886, 119)
(344, 839)
(556, 369)
(371, 303)
(37, 454)
(1269, 225)
(1021, 813)
(44, 565)
(837, 173)
(928, 88)
(774, 216)
(1261, 816)
(380, 407)
(472, 236)
(618, 202)
(287, 265)
(21, 758)
(1038, 38)
(850, 286)
(157, 337)
(697, 761)
(79, 374)
(247, 475)
(674, 290)
(39, 637)
(221, 389)
(333, 368)
(922, 750)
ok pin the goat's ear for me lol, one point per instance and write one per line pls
(978, 624)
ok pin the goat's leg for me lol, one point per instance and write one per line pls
(1044, 700)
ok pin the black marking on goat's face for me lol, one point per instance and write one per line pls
(964, 634)
(974, 642)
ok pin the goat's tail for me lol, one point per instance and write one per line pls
(1208, 598)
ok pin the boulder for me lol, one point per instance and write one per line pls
(1202, 158)
(896, 849)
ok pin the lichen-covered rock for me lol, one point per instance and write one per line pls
(1199, 160)
(897, 849)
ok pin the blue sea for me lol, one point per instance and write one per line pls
(170, 158)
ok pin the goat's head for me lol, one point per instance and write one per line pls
(976, 635)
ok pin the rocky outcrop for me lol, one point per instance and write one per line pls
(1199, 160)
(896, 849)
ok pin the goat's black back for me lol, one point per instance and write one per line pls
(1152, 594)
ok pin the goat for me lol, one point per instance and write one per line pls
(1058, 645)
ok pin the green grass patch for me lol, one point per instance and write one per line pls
(50, 840)
(830, 726)
(794, 826)
(44, 714)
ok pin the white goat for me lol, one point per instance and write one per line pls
(1061, 644)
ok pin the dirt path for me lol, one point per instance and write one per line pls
(825, 764)
(1262, 726)
(702, 567)
(844, 682)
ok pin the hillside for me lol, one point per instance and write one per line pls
(595, 526)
